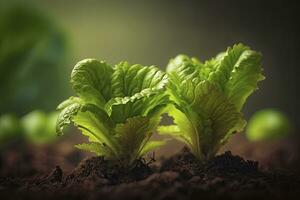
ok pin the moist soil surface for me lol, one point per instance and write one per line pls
(179, 177)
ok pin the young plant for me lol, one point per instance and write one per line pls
(117, 108)
(208, 97)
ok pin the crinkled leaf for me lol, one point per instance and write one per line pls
(91, 120)
(91, 80)
(244, 78)
(137, 91)
(68, 102)
(207, 123)
(237, 73)
(184, 73)
(128, 80)
(96, 124)
(133, 135)
(219, 117)
(225, 65)
(123, 108)
(65, 117)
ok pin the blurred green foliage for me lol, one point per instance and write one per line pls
(268, 124)
(9, 127)
(32, 55)
(37, 127)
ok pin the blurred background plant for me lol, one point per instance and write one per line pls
(32, 55)
(36, 127)
(33, 52)
(9, 128)
(268, 124)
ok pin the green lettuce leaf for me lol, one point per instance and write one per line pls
(91, 80)
(134, 136)
(137, 90)
(237, 73)
(97, 148)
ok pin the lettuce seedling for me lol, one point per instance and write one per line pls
(117, 108)
(208, 97)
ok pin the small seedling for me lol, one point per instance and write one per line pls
(117, 108)
(208, 97)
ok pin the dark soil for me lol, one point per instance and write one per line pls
(180, 177)
(283, 153)
(21, 159)
(225, 165)
(106, 172)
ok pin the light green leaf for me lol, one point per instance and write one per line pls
(128, 80)
(91, 80)
(207, 123)
(137, 91)
(133, 135)
(150, 146)
(68, 102)
(225, 65)
(189, 124)
(219, 117)
(175, 132)
(96, 124)
(96, 148)
(65, 117)
(244, 78)
(184, 74)
(91, 120)
(237, 73)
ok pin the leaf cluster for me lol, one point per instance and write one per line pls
(117, 108)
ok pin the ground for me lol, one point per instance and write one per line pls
(181, 176)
